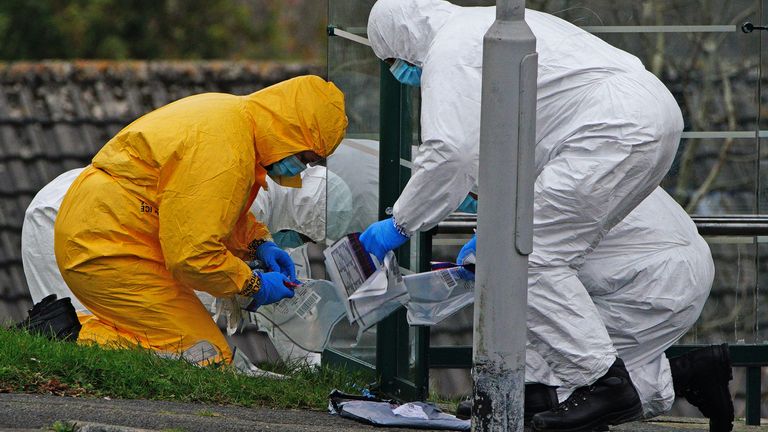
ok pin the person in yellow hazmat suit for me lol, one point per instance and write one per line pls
(163, 210)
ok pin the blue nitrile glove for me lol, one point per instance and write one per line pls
(381, 237)
(273, 288)
(277, 260)
(468, 250)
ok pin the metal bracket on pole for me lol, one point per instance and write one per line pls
(525, 169)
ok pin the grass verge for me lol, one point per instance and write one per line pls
(33, 364)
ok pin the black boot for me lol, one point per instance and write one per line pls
(36, 308)
(611, 400)
(702, 376)
(538, 398)
(55, 319)
(464, 410)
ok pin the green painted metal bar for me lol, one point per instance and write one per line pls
(455, 357)
(389, 190)
(390, 135)
(421, 366)
(334, 357)
(403, 389)
(402, 343)
(392, 333)
(753, 395)
(742, 355)
(388, 353)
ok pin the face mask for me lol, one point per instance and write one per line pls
(406, 73)
(287, 239)
(469, 205)
(288, 167)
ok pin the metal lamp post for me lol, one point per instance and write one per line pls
(505, 219)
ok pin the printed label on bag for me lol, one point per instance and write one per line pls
(287, 306)
(306, 307)
(448, 278)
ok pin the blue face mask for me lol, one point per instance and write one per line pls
(469, 205)
(406, 73)
(288, 167)
(287, 239)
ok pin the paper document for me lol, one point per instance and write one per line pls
(370, 299)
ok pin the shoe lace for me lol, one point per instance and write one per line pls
(578, 396)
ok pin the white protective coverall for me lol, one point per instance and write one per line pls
(606, 133)
(356, 161)
(649, 279)
(307, 210)
(42, 273)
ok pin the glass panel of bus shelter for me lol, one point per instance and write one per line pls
(355, 69)
(697, 48)
(734, 310)
(762, 110)
(354, 200)
(725, 185)
(714, 176)
(712, 69)
(762, 121)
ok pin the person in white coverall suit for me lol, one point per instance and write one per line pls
(606, 133)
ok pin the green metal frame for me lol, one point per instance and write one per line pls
(339, 359)
(393, 333)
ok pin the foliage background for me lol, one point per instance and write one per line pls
(163, 29)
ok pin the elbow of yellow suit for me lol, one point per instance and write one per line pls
(216, 271)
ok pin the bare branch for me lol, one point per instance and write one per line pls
(721, 160)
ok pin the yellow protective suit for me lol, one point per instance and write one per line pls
(164, 210)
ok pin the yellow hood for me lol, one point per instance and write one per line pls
(303, 113)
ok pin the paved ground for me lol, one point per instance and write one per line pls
(40, 411)
(21, 412)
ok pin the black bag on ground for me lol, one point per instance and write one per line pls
(52, 318)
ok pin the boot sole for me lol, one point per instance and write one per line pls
(635, 412)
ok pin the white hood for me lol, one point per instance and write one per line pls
(304, 209)
(393, 25)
